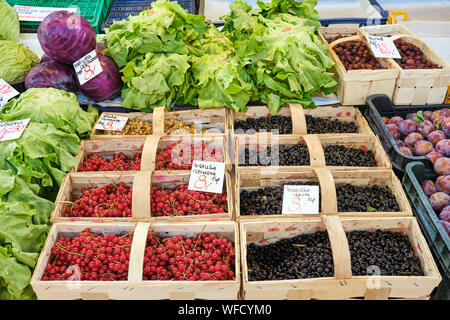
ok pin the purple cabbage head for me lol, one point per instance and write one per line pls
(52, 75)
(66, 37)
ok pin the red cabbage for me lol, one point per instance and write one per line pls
(66, 37)
(52, 75)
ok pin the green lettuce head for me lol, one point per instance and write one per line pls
(15, 61)
(9, 22)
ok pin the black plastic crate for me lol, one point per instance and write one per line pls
(434, 232)
(381, 106)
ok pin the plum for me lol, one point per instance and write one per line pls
(446, 127)
(422, 147)
(427, 115)
(445, 214)
(396, 120)
(400, 143)
(443, 184)
(428, 187)
(434, 115)
(446, 226)
(439, 121)
(412, 138)
(425, 128)
(393, 129)
(444, 112)
(411, 115)
(407, 126)
(443, 147)
(407, 151)
(442, 166)
(385, 120)
(433, 155)
(436, 136)
(439, 200)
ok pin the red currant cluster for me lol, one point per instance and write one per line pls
(183, 202)
(90, 256)
(180, 155)
(205, 257)
(107, 201)
(119, 162)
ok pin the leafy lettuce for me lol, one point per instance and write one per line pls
(9, 22)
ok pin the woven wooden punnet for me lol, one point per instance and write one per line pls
(296, 111)
(386, 30)
(421, 86)
(141, 183)
(135, 288)
(356, 85)
(327, 180)
(343, 285)
(345, 30)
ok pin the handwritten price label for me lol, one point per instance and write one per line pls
(383, 47)
(300, 199)
(6, 92)
(12, 130)
(37, 14)
(207, 176)
(87, 67)
(110, 122)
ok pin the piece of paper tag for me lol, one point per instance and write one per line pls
(383, 47)
(207, 176)
(12, 130)
(6, 92)
(300, 199)
(88, 67)
(37, 14)
(111, 122)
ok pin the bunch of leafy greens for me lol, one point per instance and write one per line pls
(279, 49)
(15, 61)
(49, 105)
(152, 50)
(9, 22)
(20, 243)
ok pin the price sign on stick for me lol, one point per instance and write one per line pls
(88, 67)
(300, 199)
(6, 92)
(12, 130)
(207, 176)
(111, 122)
(383, 47)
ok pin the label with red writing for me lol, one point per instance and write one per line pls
(207, 176)
(6, 92)
(300, 199)
(37, 14)
(87, 67)
(12, 130)
(111, 122)
(383, 47)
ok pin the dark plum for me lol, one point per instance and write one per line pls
(427, 115)
(436, 136)
(443, 184)
(412, 138)
(396, 120)
(411, 115)
(422, 148)
(443, 147)
(445, 214)
(434, 115)
(439, 121)
(446, 127)
(446, 225)
(425, 128)
(442, 166)
(439, 200)
(407, 126)
(393, 129)
(406, 151)
(428, 187)
(400, 143)
(434, 155)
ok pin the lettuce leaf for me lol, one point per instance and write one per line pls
(9, 22)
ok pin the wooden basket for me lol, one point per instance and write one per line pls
(141, 183)
(421, 86)
(327, 180)
(356, 85)
(346, 30)
(386, 30)
(315, 145)
(135, 288)
(297, 113)
(343, 285)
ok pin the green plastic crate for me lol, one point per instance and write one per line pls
(94, 11)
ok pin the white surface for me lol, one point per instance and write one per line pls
(31, 41)
(423, 10)
(206, 176)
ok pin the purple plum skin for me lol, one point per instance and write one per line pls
(411, 115)
(433, 156)
(436, 136)
(442, 166)
(443, 184)
(445, 214)
(412, 138)
(400, 143)
(393, 129)
(396, 120)
(446, 226)
(407, 126)
(407, 151)
(422, 148)
(428, 187)
(427, 115)
(425, 128)
(439, 200)
(443, 147)
(446, 128)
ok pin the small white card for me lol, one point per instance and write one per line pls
(207, 176)
(88, 67)
(12, 130)
(37, 14)
(111, 122)
(6, 92)
(300, 199)
(383, 47)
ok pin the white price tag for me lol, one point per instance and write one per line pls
(6, 92)
(300, 199)
(207, 176)
(87, 67)
(12, 130)
(110, 122)
(37, 14)
(383, 47)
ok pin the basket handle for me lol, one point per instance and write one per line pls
(352, 38)
(148, 160)
(327, 190)
(141, 208)
(158, 120)
(316, 155)
(136, 266)
(298, 119)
